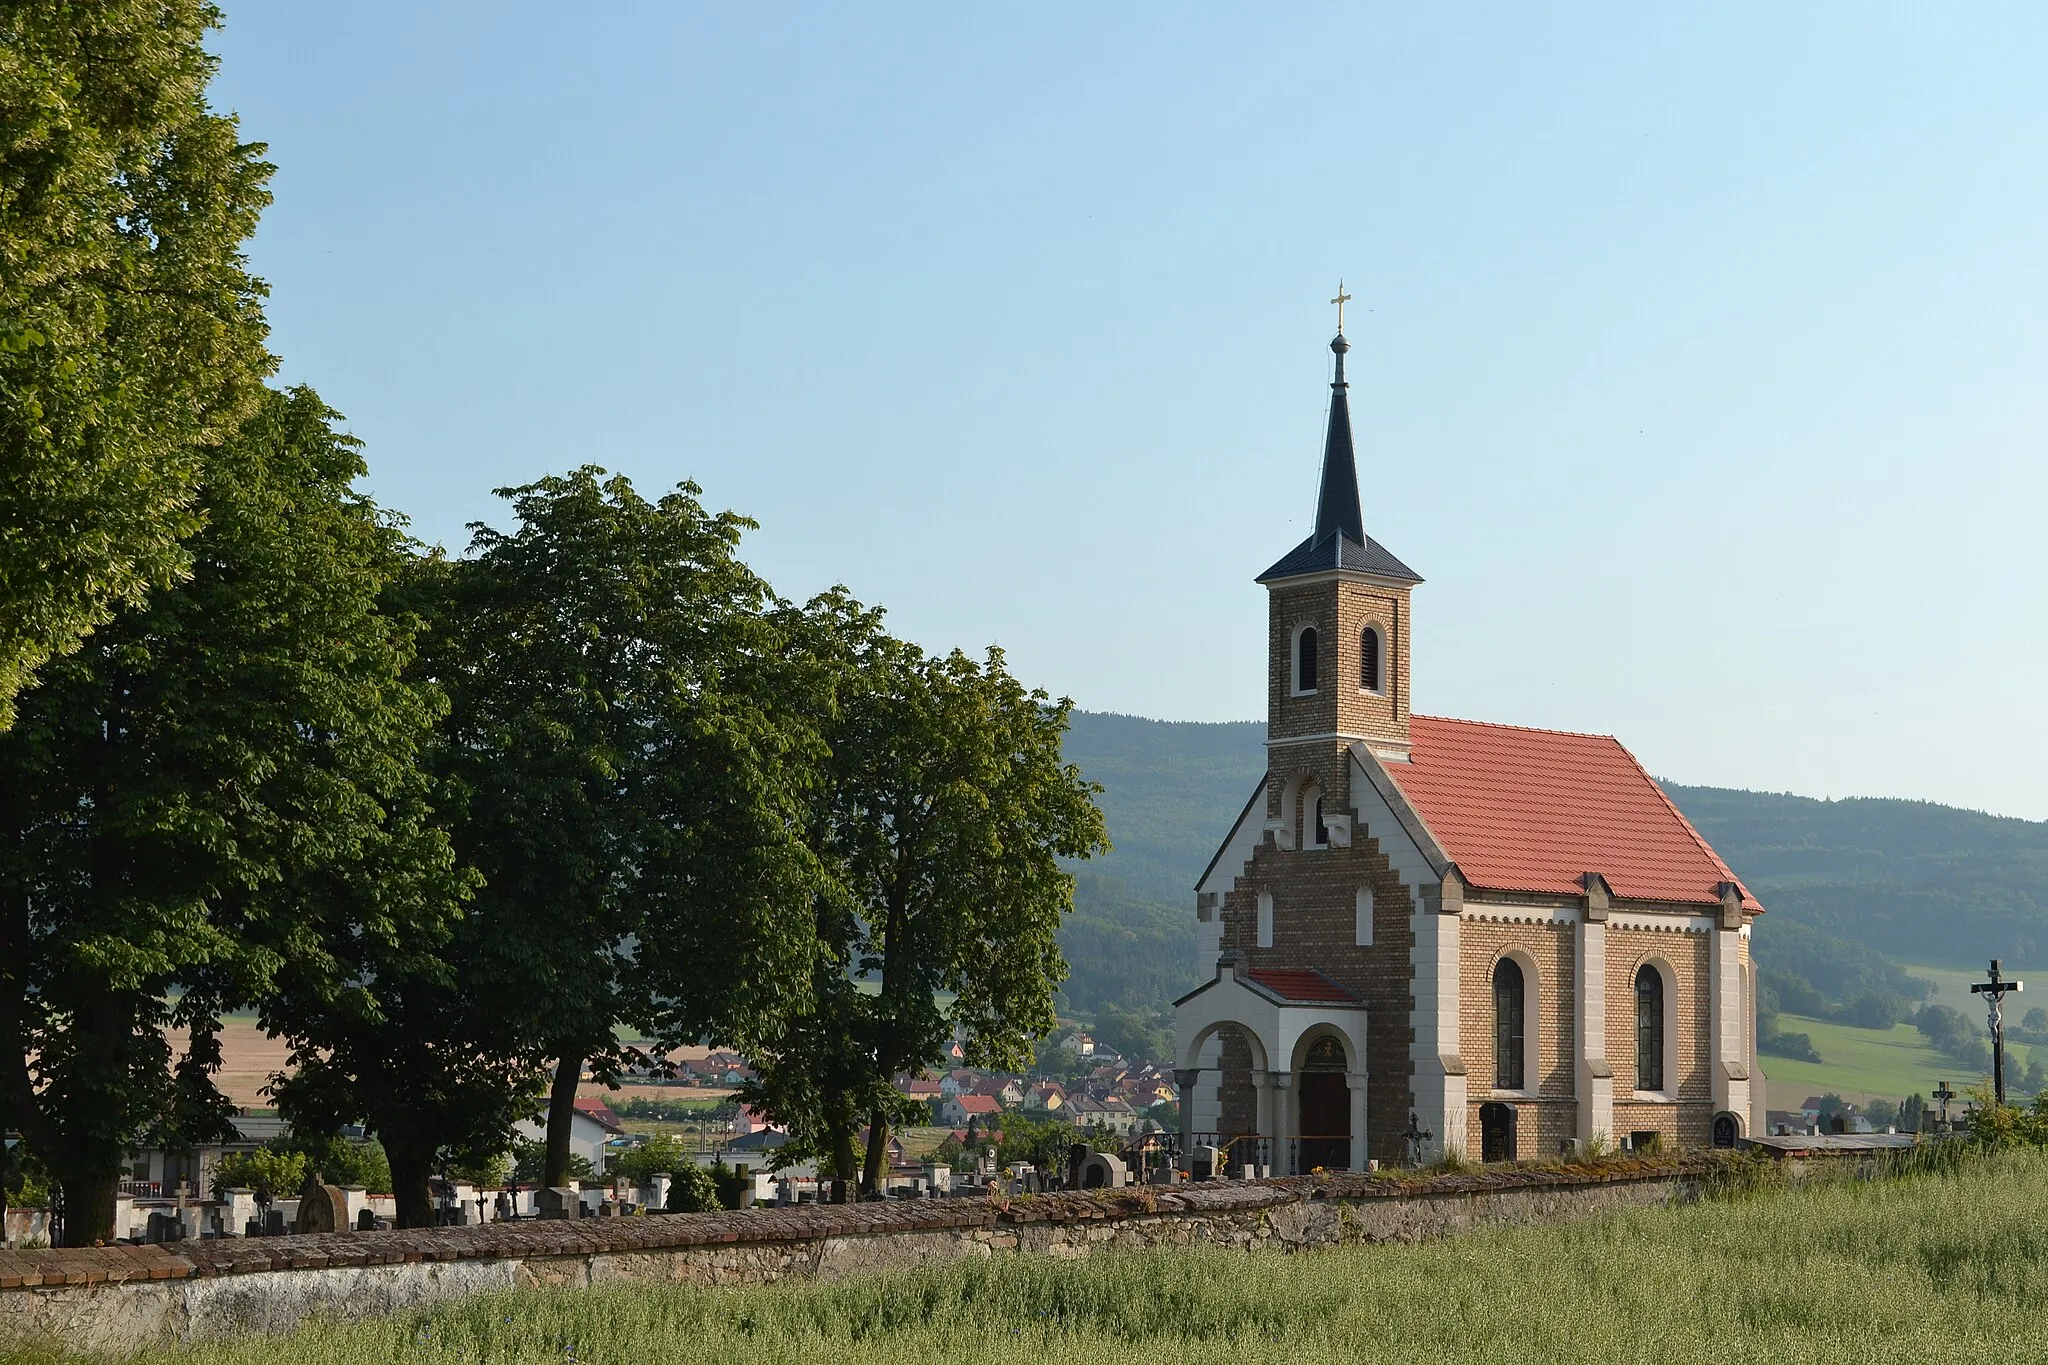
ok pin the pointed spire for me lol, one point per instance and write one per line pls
(1337, 508)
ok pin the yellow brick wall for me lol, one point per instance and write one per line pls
(1687, 1123)
(1340, 612)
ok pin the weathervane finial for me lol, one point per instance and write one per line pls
(1341, 299)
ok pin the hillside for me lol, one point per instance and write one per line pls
(1853, 888)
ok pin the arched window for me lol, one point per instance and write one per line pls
(1322, 831)
(1649, 1028)
(1305, 660)
(1369, 659)
(1509, 1039)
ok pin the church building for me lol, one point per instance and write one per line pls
(1427, 934)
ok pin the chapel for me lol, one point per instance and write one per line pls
(1425, 934)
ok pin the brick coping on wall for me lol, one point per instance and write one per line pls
(528, 1240)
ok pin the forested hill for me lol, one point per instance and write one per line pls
(1853, 887)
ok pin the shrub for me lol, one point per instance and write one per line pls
(694, 1190)
(662, 1153)
(268, 1169)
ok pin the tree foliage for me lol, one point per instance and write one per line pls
(131, 332)
(627, 751)
(944, 818)
(187, 799)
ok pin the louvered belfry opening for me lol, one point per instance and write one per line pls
(1305, 661)
(1369, 660)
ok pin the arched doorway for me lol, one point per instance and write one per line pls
(1325, 1129)
(1496, 1132)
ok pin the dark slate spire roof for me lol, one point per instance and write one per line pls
(1339, 540)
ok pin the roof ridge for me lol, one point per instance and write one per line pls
(1529, 729)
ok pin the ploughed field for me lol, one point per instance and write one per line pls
(1927, 1267)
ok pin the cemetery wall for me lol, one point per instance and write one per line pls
(122, 1297)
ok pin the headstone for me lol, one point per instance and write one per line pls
(1165, 1175)
(366, 1221)
(1104, 1172)
(557, 1201)
(273, 1222)
(1208, 1163)
(322, 1207)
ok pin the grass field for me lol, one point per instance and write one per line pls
(1894, 1270)
(1861, 1064)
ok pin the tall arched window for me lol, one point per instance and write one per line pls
(1509, 1039)
(1649, 1028)
(1369, 659)
(1305, 660)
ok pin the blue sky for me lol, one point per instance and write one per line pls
(1699, 356)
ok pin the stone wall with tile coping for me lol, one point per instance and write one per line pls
(123, 1297)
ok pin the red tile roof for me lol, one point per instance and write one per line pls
(976, 1104)
(1534, 810)
(596, 1108)
(1301, 984)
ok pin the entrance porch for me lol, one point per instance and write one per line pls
(1272, 1068)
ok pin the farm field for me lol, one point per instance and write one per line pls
(1862, 1064)
(1892, 1270)
(1952, 988)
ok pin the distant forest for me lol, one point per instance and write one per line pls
(1852, 888)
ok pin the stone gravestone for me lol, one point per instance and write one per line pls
(558, 1201)
(322, 1207)
(1101, 1171)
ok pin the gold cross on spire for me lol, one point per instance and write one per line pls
(1341, 299)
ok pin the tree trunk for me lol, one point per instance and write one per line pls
(845, 1168)
(561, 1114)
(410, 1171)
(89, 1209)
(878, 1156)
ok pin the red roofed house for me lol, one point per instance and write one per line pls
(961, 1108)
(1510, 935)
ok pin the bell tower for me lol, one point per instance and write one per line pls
(1337, 669)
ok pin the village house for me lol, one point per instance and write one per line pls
(1425, 934)
(957, 1110)
(1111, 1114)
(1045, 1097)
(592, 1127)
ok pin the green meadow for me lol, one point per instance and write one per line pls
(1902, 1269)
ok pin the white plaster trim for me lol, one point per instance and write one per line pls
(1533, 914)
(1325, 737)
(1238, 847)
(1411, 862)
(1670, 924)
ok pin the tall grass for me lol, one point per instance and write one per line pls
(1927, 1265)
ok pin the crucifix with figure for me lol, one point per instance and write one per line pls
(1943, 1094)
(1994, 992)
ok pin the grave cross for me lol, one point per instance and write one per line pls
(1944, 1094)
(1994, 992)
(1416, 1136)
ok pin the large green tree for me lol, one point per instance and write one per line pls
(944, 817)
(631, 744)
(131, 332)
(185, 800)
